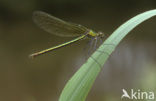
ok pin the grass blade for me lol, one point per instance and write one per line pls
(79, 85)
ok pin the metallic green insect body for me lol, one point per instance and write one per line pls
(61, 28)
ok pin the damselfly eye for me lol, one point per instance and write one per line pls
(101, 34)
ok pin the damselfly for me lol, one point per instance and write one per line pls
(62, 28)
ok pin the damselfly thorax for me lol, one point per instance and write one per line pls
(91, 34)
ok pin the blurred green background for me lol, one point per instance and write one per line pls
(131, 66)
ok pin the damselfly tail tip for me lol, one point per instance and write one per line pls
(32, 56)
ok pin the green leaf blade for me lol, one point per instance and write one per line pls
(79, 85)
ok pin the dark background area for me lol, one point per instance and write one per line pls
(131, 66)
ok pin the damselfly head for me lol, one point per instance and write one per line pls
(101, 34)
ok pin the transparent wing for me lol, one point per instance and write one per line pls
(57, 26)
